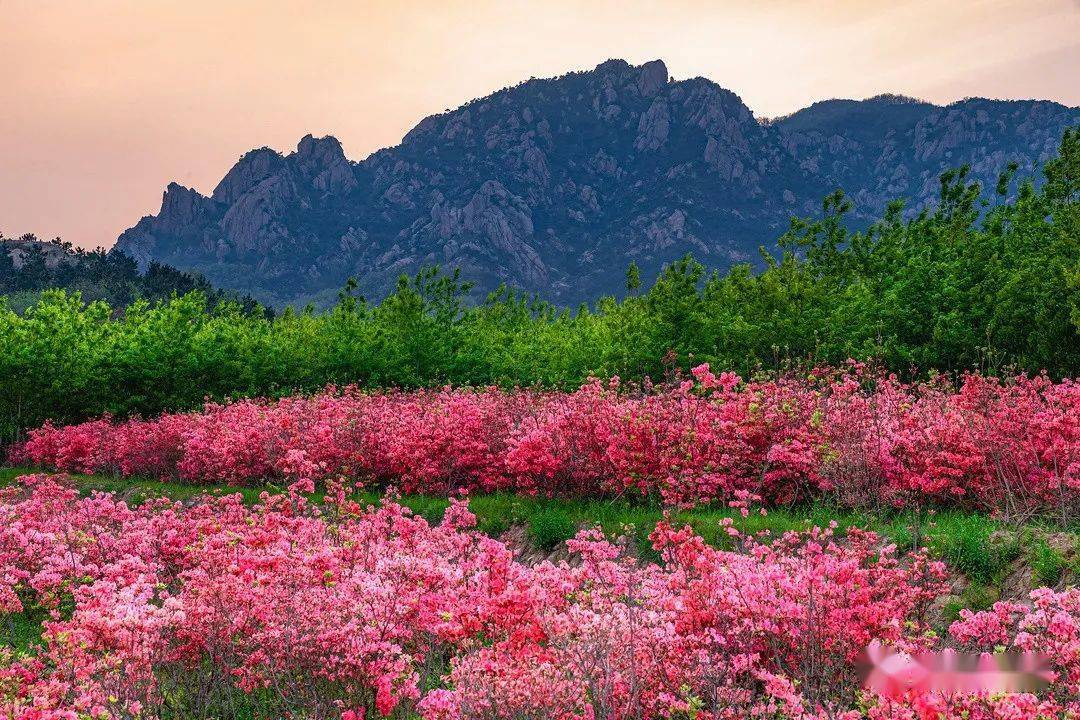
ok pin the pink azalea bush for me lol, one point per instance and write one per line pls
(287, 609)
(1011, 446)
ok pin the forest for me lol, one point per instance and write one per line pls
(110, 277)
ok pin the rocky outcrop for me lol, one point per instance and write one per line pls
(555, 185)
(256, 221)
(653, 127)
(182, 220)
(495, 222)
(19, 249)
(252, 169)
(322, 164)
(181, 208)
(652, 78)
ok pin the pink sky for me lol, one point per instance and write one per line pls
(105, 102)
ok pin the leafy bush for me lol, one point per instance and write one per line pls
(337, 611)
(856, 437)
(550, 526)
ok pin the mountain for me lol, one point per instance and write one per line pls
(556, 185)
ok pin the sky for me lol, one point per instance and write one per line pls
(107, 101)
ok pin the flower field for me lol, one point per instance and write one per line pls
(288, 609)
(1011, 447)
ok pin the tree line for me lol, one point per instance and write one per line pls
(986, 280)
(111, 277)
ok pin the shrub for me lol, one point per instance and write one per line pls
(856, 437)
(549, 526)
(341, 611)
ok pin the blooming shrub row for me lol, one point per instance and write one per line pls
(1008, 445)
(286, 609)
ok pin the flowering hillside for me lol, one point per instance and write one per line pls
(338, 611)
(1009, 446)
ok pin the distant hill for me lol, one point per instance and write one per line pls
(556, 185)
(29, 266)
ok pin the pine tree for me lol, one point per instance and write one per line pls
(633, 278)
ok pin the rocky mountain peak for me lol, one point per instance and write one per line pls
(615, 66)
(322, 163)
(327, 148)
(254, 167)
(182, 205)
(652, 77)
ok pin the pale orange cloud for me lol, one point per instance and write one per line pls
(105, 102)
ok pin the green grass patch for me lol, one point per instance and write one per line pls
(1047, 564)
(976, 597)
(974, 544)
(22, 631)
(551, 526)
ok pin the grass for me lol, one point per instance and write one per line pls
(975, 545)
(550, 526)
(977, 596)
(1047, 564)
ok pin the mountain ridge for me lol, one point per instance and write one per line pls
(555, 185)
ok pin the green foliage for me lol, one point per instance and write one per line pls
(975, 283)
(22, 631)
(975, 597)
(96, 274)
(975, 545)
(633, 278)
(1047, 564)
(551, 526)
